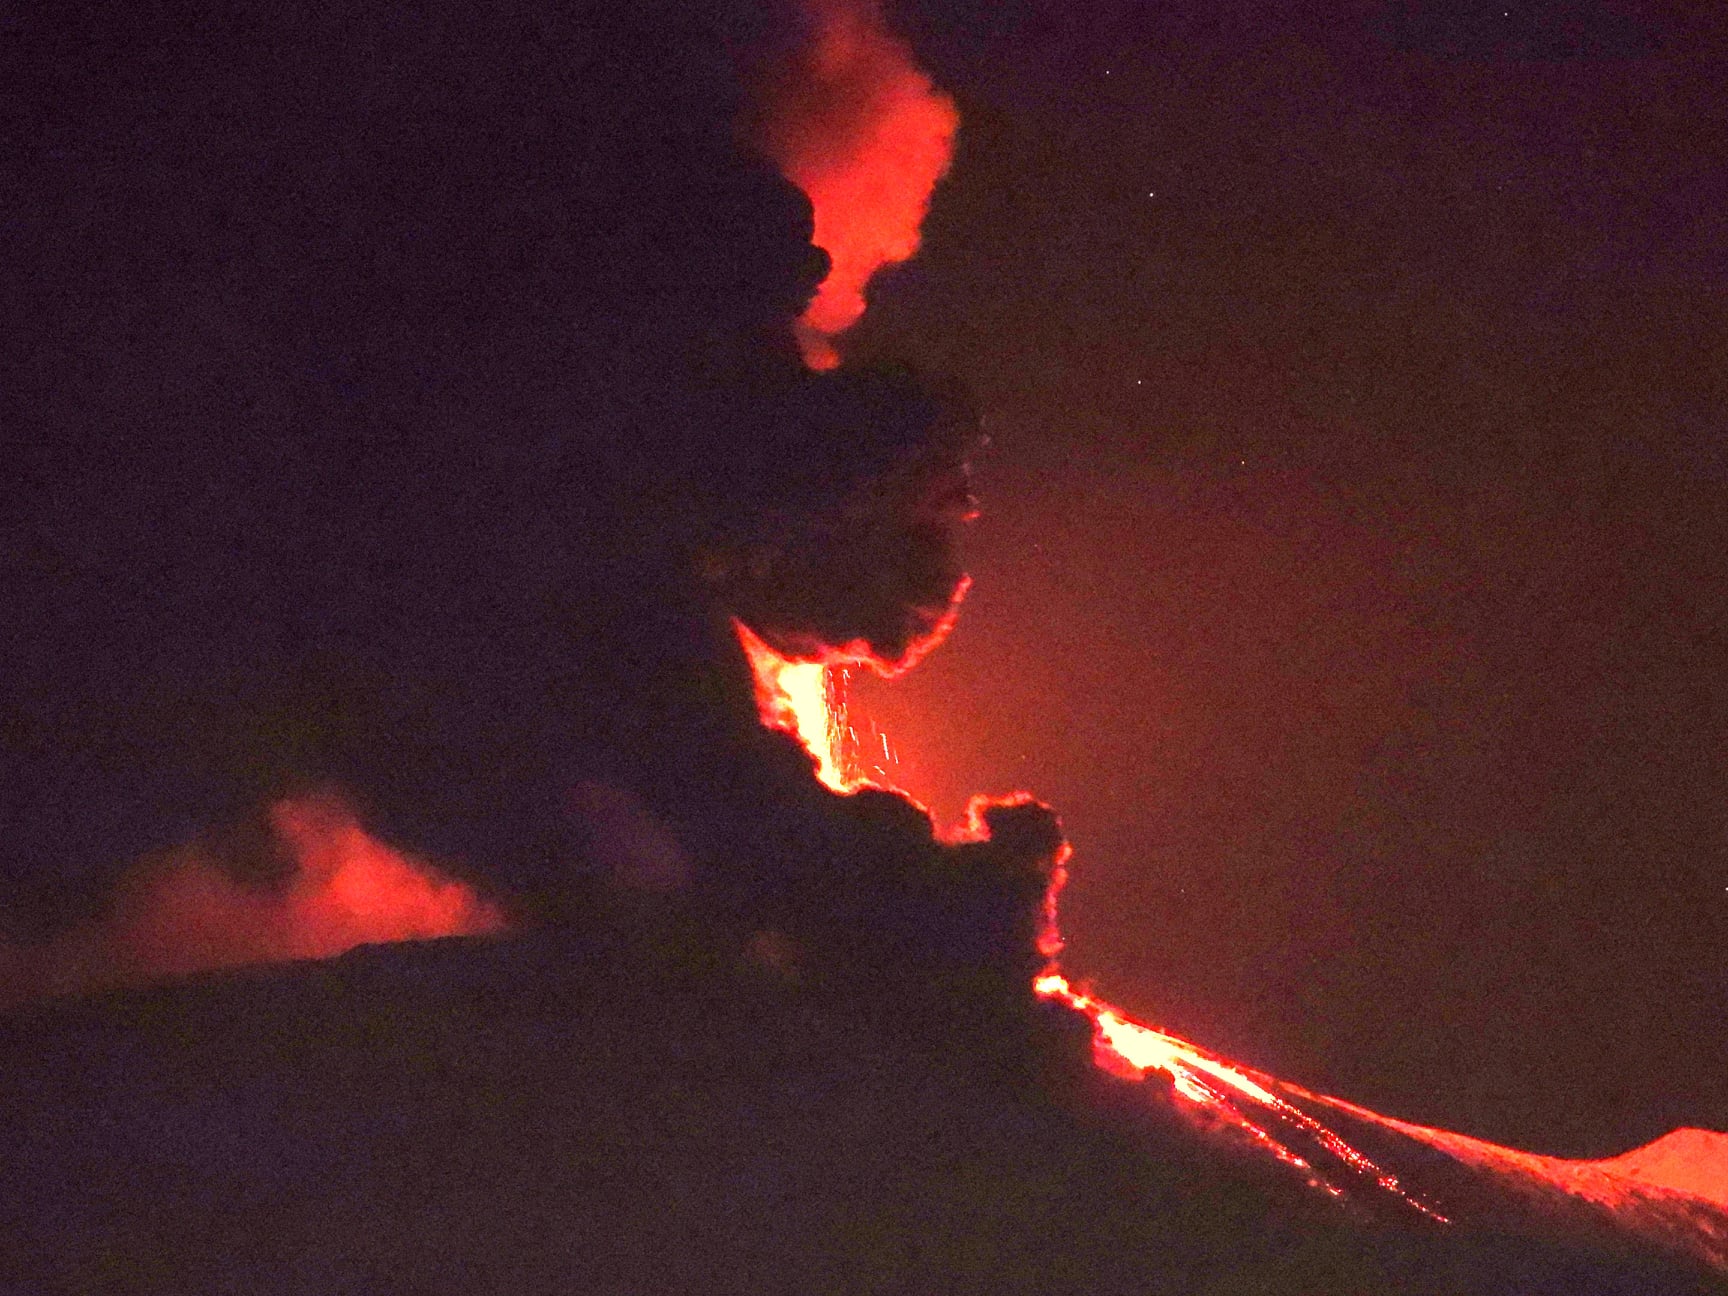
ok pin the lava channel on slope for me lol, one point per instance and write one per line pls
(1672, 1194)
(803, 698)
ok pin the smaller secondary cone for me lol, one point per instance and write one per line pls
(1692, 1161)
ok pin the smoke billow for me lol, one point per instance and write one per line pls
(854, 122)
(425, 447)
(305, 882)
(868, 569)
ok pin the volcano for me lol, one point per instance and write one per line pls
(533, 1114)
(444, 512)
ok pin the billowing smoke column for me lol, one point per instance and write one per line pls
(849, 117)
(852, 120)
(347, 595)
(865, 567)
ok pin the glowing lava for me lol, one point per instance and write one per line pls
(802, 698)
(1227, 1097)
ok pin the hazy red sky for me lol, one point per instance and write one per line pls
(1350, 576)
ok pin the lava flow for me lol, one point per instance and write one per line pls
(799, 698)
(1672, 1194)
(1229, 1098)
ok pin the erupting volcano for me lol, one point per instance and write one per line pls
(450, 528)
(1676, 1201)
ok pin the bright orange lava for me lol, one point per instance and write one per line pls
(798, 697)
(1213, 1088)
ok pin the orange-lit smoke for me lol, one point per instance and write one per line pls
(850, 118)
(183, 913)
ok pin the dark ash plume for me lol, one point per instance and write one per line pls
(403, 400)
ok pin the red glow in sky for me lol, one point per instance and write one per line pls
(851, 119)
(183, 913)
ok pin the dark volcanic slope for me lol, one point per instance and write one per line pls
(531, 1116)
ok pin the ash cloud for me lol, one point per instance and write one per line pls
(404, 403)
(850, 117)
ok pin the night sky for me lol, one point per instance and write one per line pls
(1350, 575)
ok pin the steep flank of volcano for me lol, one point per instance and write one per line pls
(1691, 1161)
(546, 1114)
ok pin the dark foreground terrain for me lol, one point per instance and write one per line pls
(537, 1115)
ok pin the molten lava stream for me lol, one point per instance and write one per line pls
(1672, 1193)
(800, 698)
(1212, 1087)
